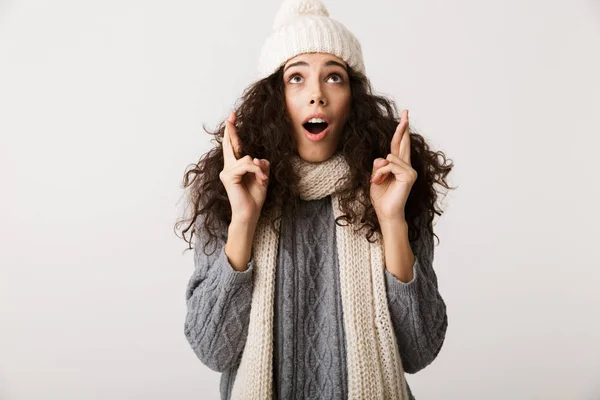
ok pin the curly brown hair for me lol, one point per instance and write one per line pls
(264, 128)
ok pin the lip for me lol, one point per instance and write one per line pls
(316, 137)
(319, 136)
(316, 115)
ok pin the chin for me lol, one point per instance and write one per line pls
(317, 151)
(316, 155)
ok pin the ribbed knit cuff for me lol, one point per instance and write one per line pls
(396, 287)
(229, 276)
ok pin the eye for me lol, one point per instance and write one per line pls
(292, 77)
(338, 76)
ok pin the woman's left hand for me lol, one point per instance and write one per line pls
(393, 177)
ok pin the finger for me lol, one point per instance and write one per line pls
(244, 167)
(398, 134)
(379, 171)
(263, 164)
(396, 169)
(381, 174)
(228, 154)
(230, 140)
(404, 152)
(377, 164)
(233, 135)
(395, 145)
(397, 160)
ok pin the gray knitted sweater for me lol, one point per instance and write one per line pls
(309, 354)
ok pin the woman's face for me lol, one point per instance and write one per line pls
(317, 83)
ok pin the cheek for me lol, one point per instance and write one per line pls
(293, 106)
(343, 108)
(342, 98)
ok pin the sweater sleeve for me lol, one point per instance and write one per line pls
(218, 305)
(417, 309)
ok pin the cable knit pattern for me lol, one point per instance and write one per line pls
(218, 302)
(310, 350)
(311, 342)
(374, 365)
(419, 338)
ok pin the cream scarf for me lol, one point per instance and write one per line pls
(373, 361)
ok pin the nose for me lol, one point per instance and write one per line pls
(317, 98)
(316, 95)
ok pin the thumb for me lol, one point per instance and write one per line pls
(262, 165)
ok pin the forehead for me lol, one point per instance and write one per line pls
(314, 58)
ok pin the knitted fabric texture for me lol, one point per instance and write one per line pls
(304, 26)
(374, 364)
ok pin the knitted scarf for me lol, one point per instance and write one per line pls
(373, 361)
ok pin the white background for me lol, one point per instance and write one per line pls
(101, 110)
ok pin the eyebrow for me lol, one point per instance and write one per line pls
(305, 64)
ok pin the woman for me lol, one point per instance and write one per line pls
(319, 204)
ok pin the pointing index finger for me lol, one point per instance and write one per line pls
(395, 145)
(228, 154)
(404, 151)
(233, 136)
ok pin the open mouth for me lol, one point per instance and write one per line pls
(315, 127)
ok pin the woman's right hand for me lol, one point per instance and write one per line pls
(245, 179)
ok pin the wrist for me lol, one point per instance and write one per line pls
(238, 248)
(393, 224)
(243, 220)
(243, 226)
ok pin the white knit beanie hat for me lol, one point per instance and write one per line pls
(304, 26)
